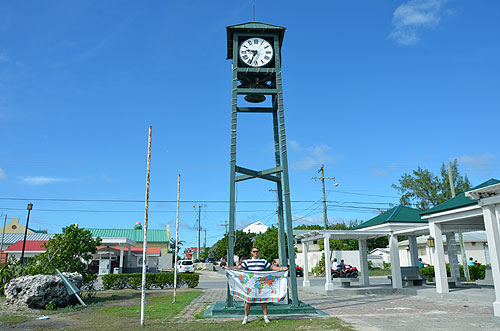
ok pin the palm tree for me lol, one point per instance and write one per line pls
(172, 244)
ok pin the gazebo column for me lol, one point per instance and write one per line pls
(328, 265)
(395, 265)
(363, 260)
(412, 240)
(438, 258)
(129, 256)
(490, 216)
(305, 251)
(121, 258)
(452, 255)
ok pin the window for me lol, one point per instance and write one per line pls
(315, 242)
(473, 243)
(187, 262)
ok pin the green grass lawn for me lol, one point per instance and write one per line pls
(120, 310)
(331, 323)
(380, 272)
(159, 309)
(13, 319)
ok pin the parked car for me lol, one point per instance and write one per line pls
(185, 266)
(210, 260)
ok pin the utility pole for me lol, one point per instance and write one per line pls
(199, 229)
(176, 236)
(145, 242)
(460, 236)
(3, 231)
(205, 242)
(322, 171)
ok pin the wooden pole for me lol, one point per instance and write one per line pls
(176, 236)
(145, 242)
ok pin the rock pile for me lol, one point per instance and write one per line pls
(38, 290)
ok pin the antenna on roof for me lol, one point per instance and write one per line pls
(254, 12)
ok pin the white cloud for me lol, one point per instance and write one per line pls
(409, 18)
(3, 175)
(478, 164)
(310, 157)
(41, 180)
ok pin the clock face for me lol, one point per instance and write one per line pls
(256, 52)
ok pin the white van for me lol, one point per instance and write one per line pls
(185, 266)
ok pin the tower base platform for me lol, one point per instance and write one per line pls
(220, 310)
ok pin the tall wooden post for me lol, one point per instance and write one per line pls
(145, 242)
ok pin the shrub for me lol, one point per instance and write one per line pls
(476, 271)
(386, 265)
(161, 280)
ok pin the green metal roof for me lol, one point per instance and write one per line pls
(460, 200)
(251, 27)
(398, 214)
(154, 235)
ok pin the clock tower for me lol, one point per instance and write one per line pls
(255, 51)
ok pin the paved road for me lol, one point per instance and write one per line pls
(217, 279)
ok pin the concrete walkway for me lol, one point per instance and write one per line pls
(419, 308)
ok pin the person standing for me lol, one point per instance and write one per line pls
(256, 264)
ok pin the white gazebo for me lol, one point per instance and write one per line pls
(475, 210)
(326, 235)
(397, 221)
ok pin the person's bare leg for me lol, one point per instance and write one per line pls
(247, 311)
(264, 310)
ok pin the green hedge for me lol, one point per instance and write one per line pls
(475, 271)
(161, 280)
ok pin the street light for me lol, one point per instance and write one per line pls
(30, 206)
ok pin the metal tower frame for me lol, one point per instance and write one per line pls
(278, 174)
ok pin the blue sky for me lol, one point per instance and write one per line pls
(372, 90)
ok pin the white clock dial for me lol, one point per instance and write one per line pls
(256, 52)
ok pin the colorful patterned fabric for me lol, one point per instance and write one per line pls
(258, 286)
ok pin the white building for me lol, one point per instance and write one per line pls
(257, 227)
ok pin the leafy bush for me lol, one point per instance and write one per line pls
(476, 271)
(319, 269)
(386, 265)
(161, 280)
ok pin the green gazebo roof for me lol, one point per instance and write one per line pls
(398, 214)
(253, 27)
(154, 235)
(460, 200)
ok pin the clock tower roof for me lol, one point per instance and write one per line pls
(252, 27)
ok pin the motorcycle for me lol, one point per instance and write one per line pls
(347, 271)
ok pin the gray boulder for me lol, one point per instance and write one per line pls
(38, 290)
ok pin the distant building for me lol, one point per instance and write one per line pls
(257, 227)
(14, 227)
(156, 238)
(190, 252)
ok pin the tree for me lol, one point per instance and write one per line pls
(425, 190)
(267, 242)
(243, 243)
(172, 244)
(67, 252)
